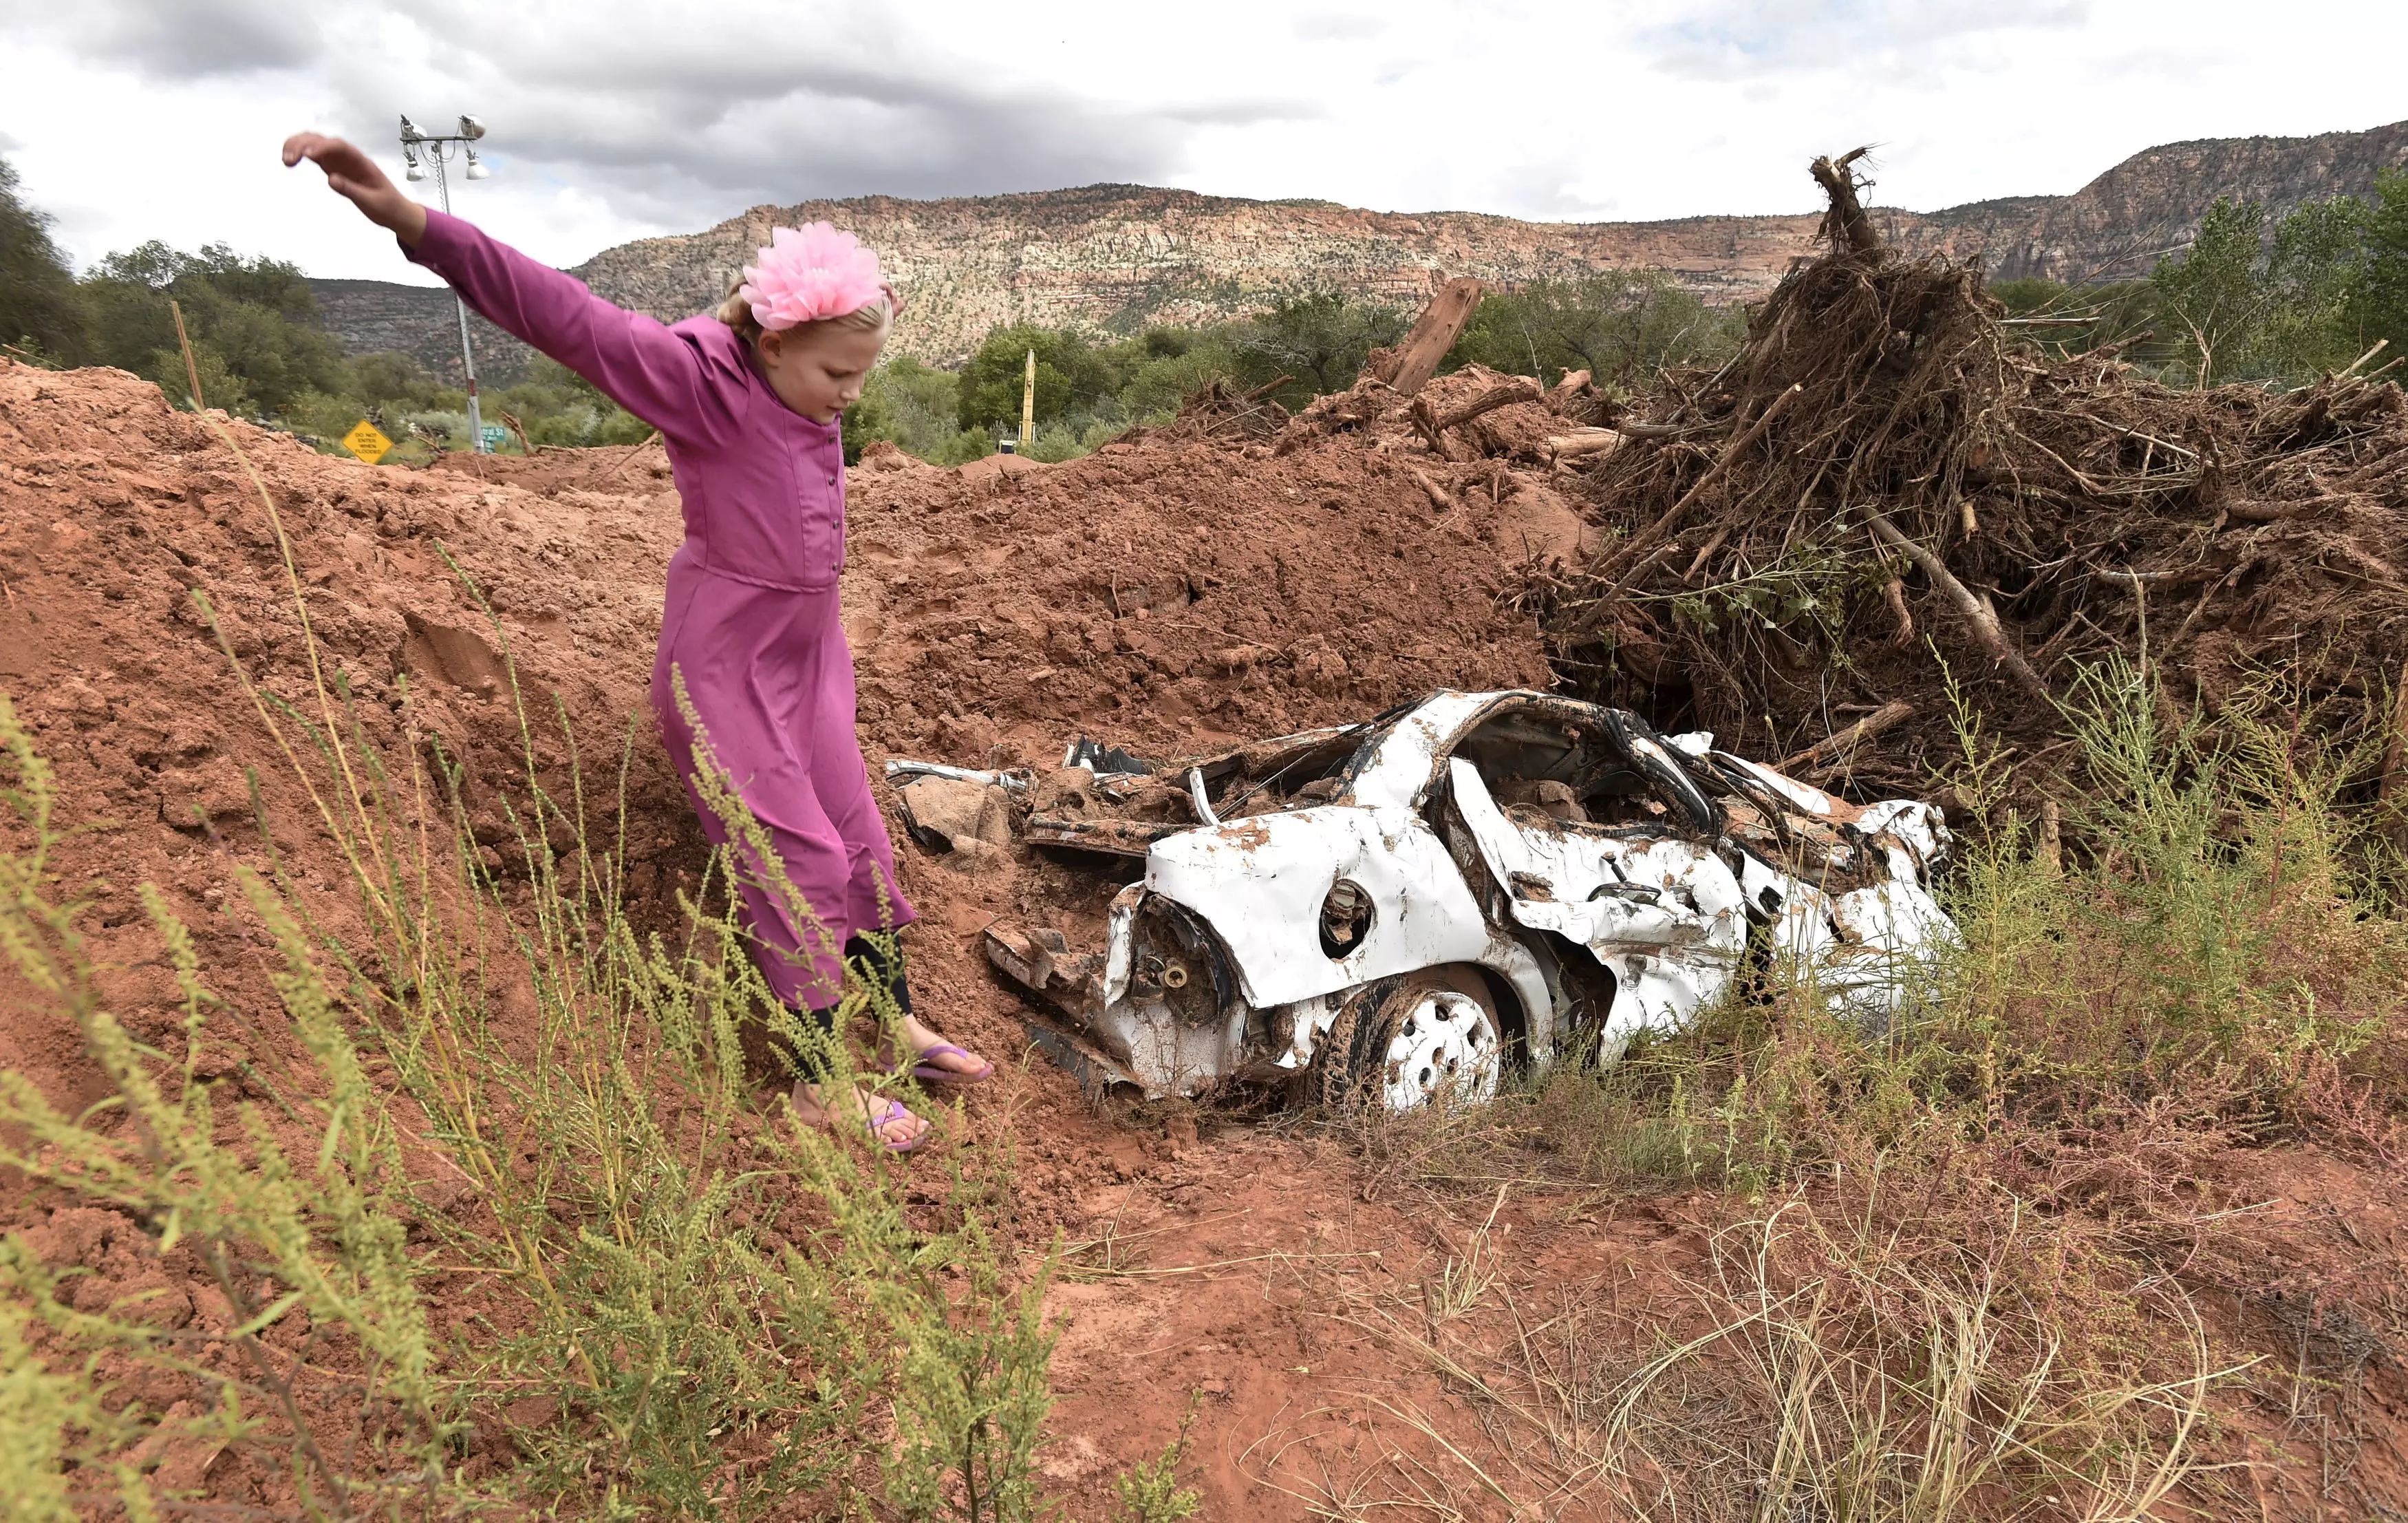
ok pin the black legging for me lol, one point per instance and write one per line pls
(882, 962)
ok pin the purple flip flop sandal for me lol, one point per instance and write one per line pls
(950, 1076)
(896, 1110)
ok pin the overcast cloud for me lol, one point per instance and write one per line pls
(614, 119)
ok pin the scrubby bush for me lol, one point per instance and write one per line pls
(555, 405)
(1621, 326)
(1321, 340)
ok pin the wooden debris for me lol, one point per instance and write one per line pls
(2395, 750)
(1438, 497)
(1489, 401)
(1894, 594)
(1654, 534)
(1837, 745)
(1409, 366)
(1846, 222)
(1568, 386)
(1583, 441)
(1977, 610)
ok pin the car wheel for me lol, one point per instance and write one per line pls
(1402, 1042)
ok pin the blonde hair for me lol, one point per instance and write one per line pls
(738, 313)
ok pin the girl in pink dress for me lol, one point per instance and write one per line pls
(748, 402)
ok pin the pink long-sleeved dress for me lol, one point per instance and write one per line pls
(751, 615)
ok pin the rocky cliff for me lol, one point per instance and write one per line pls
(2119, 225)
(1120, 256)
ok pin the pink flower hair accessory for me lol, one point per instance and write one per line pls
(811, 273)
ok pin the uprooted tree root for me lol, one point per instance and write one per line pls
(1884, 474)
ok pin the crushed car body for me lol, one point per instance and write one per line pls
(1391, 909)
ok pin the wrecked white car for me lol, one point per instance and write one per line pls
(1390, 909)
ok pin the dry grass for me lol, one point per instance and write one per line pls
(1953, 1268)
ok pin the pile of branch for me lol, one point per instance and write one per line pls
(1219, 410)
(1879, 472)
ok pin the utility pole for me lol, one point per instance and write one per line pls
(437, 146)
(1028, 405)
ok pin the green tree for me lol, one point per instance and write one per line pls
(2312, 281)
(866, 420)
(1169, 365)
(390, 379)
(2379, 305)
(918, 406)
(1071, 376)
(558, 405)
(253, 320)
(2033, 296)
(38, 302)
(1320, 340)
(2211, 297)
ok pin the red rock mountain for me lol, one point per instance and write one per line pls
(1117, 257)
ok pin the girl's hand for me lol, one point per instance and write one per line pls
(350, 173)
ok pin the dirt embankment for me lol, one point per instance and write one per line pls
(1238, 576)
(1151, 596)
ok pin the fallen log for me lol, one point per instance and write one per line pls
(1488, 401)
(1409, 366)
(1438, 497)
(1660, 430)
(1567, 385)
(1583, 441)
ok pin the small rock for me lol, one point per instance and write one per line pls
(943, 812)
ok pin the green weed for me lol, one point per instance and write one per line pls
(686, 1304)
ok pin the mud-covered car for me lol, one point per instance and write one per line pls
(1388, 909)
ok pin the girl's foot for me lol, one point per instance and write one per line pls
(935, 1059)
(882, 1118)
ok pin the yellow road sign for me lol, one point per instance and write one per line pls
(367, 442)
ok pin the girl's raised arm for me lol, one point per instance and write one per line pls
(636, 360)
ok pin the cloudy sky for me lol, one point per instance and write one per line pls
(618, 119)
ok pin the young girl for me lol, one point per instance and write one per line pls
(748, 402)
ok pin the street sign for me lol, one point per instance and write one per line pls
(367, 442)
(495, 434)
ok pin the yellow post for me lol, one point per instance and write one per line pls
(1028, 405)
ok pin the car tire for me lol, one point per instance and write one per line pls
(1399, 1042)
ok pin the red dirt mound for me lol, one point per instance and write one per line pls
(1167, 595)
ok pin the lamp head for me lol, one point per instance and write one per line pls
(471, 128)
(410, 133)
(477, 169)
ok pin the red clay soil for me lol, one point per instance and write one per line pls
(1161, 595)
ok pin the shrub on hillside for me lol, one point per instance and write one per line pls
(1621, 326)
(251, 320)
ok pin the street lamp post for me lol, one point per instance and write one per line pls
(417, 146)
